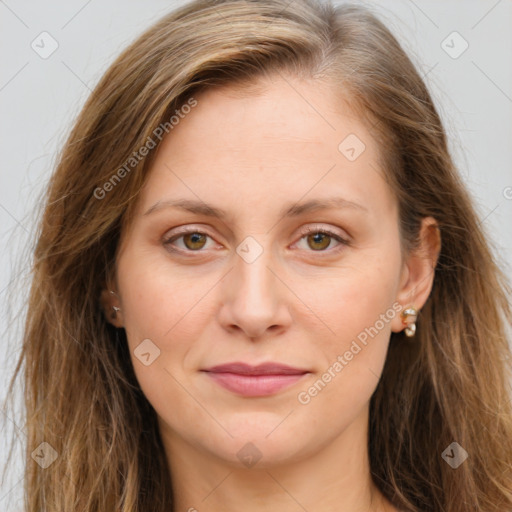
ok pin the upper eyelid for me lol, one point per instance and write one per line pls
(187, 229)
(313, 228)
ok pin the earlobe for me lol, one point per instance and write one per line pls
(111, 307)
(418, 276)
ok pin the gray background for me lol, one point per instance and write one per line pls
(40, 97)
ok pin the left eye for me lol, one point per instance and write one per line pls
(320, 239)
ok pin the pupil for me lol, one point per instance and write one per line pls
(194, 239)
(320, 238)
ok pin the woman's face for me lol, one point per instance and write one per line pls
(249, 270)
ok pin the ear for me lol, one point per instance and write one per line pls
(111, 306)
(418, 270)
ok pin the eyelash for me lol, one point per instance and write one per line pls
(308, 231)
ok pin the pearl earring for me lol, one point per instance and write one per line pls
(409, 316)
(115, 308)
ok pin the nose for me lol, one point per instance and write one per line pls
(254, 298)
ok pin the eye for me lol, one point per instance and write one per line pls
(319, 239)
(193, 240)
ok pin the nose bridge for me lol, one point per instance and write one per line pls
(254, 281)
(252, 298)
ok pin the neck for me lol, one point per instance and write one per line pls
(336, 477)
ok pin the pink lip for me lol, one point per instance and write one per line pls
(262, 380)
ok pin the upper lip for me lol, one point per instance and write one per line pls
(261, 369)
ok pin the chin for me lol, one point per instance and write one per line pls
(260, 441)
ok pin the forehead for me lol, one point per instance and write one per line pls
(281, 138)
(276, 111)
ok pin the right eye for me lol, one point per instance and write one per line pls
(193, 240)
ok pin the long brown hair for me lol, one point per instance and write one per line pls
(81, 394)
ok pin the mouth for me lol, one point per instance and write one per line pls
(252, 381)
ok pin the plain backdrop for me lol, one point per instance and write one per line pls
(463, 49)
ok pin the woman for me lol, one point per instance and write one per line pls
(260, 284)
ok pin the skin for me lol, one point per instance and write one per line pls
(302, 302)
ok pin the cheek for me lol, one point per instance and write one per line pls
(356, 300)
(358, 311)
(161, 306)
(158, 298)
(163, 315)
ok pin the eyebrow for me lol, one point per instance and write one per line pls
(291, 210)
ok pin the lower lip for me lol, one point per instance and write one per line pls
(254, 385)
